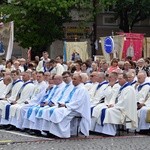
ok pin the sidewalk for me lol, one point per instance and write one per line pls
(10, 140)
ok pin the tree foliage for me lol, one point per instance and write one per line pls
(129, 12)
(38, 22)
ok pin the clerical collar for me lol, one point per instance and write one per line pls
(124, 86)
(29, 81)
(133, 82)
(143, 84)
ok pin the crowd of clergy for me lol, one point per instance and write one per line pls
(51, 98)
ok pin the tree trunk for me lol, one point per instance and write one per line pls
(124, 24)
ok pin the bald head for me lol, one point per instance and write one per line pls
(76, 79)
(58, 79)
(141, 77)
(101, 76)
(26, 76)
(7, 79)
(84, 77)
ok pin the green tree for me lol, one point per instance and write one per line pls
(129, 12)
(38, 22)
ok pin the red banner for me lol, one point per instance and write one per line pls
(133, 45)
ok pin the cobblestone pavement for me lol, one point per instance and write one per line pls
(13, 140)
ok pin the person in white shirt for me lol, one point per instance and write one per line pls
(58, 69)
(41, 63)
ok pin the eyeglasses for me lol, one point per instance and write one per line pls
(65, 77)
(92, 76)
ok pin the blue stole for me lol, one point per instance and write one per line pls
(92, 110)
(31, 109)
(21, 89)
(133, 82)
(43, 63)
(70, 95)
(63, 92)
(7, 109)
(29, 112)
(124, 86)
(50, 102)
(102, 117)
(41, 111)
(141, 86)
(67, 101)
(100, 84)
(46, 94)
(13, 85)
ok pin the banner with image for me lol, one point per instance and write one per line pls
(133, 45)
(75, 50)
(6, 39)
(117, 50)
(146, 50)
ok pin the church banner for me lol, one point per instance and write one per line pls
(6, 39)
(133, 45)
(118, 41)
(76, 50)
(146, 47)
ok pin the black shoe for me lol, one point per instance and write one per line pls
(31, 132)
(2, 127)
(106, 135)
(145, 132)
(11, 127)
(34, 132)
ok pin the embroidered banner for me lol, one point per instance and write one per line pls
(118, 47)
(6, 39)
(146, 47)
(76, 50)
(133, 45)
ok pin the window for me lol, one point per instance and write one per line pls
(109, 20)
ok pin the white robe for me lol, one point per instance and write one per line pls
(97, 94)
(24, 109)
(45, 115)
(44, 112)
(57, 94)
(13, 94)
(124, 109)
(143, 93)
(38, 93)
(59, 69)
(26, 94)
(61, 117)
(40, 64)
(4, 89)
(110, 95)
